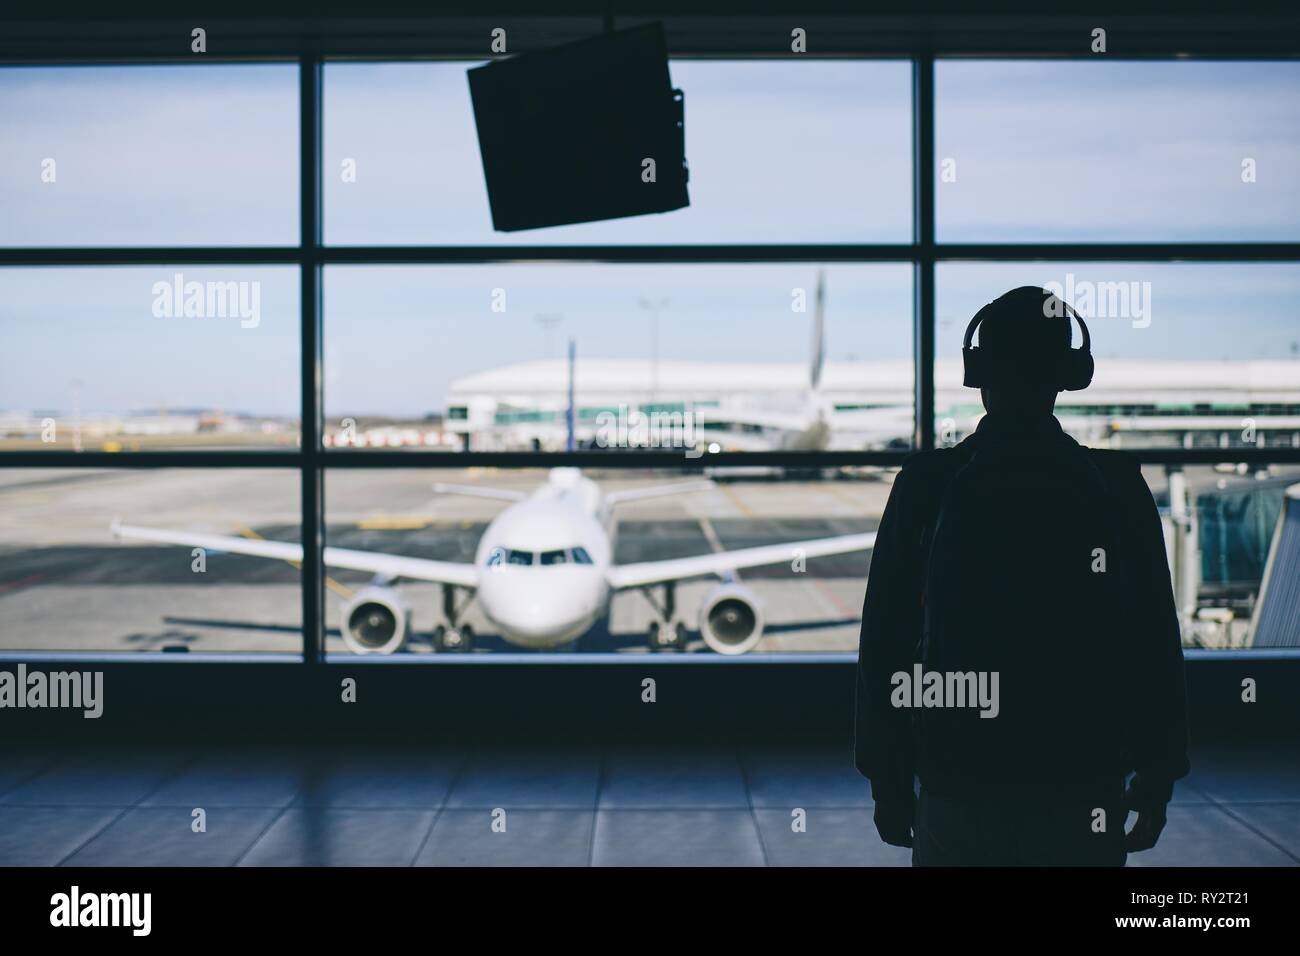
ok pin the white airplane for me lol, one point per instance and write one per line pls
(543, 572)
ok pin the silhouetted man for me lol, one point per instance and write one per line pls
(1020, 649)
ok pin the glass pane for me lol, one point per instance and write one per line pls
(1188, 355)
(171, 578)
(149, 357)
(149, 155)
(448, 526)
(667, 356)
(1220, 524)
(1043, 150)
(779, 152)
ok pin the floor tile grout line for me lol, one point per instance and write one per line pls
(155, 806)
(94, 836)
(585, 807)
(23, 781)
(428, 833)
(1199, 790)
(1228, 811)
(743, 766)
(601, 767)
(1278, 802)
(446, 796)
(258, 839)
(540, 807)
(52, 762)
(67, 806)
(184, 767)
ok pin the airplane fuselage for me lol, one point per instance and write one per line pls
(544, 563)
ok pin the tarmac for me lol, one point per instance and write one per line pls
(67, 585)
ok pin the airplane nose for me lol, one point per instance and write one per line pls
(536, 604)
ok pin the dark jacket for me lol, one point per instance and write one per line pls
(1155, 733)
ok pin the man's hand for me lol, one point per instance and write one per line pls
(895, 813)
(1150, 808)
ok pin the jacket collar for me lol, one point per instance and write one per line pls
(1010, 426)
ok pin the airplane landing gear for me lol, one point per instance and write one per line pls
(667, 637)
(666, 634)
(457, 639)
(453, 636)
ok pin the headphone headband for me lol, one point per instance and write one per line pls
(1086, 345)
(1076, 364)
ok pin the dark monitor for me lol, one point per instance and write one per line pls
(565, 133)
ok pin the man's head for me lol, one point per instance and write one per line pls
(1023, 348)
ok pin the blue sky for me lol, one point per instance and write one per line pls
(780, 151)
(1087, 150)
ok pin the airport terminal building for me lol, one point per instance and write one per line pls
(866, 405)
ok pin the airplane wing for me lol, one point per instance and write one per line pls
(389, 565)
(677, 569)
(474, 491)
(658, 491)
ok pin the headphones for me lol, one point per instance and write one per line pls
(1073, 369)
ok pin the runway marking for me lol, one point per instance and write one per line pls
(30, 498)
(385, 523)
(842, 496)
(710, 534)
(829, 594)
(735, 500)
(339, 589)
(20, 583)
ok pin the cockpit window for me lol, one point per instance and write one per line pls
(498, 557)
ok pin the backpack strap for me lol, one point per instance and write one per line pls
(936, 496)
(937, 490)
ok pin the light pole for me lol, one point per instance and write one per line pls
(654, 306)
(548, 321)
(76, 414)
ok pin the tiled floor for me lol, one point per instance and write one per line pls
(530, 804)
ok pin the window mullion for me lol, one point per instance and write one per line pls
(312, 497)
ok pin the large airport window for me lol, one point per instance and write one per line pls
(779, 152)
(149, 358)
(1120, 151)
(584, 417)
(1188, 355)
(690, 357)
(164, 560)
(168, 155)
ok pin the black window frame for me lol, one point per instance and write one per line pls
(921, 40)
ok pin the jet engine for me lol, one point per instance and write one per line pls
(730, 619)
(375, 621)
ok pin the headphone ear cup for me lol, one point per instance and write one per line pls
(973, 364)
(1078, 370)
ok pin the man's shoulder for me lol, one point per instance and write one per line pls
(923, 469)
(1121, 472)
(1113, 463)
(931, 460)
(941, 462)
